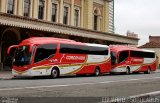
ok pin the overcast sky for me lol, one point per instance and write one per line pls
(139, 16)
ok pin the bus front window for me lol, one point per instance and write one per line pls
(113, 58)
(123, 55)
(45, 51)
(22, 56)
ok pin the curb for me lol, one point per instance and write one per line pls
(6, 78)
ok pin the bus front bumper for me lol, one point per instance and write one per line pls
(30, 73)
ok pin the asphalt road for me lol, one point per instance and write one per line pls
(102, 86)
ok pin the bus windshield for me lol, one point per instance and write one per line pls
(22, 56)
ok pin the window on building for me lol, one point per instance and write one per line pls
(65, 17)
(76, 17)
(27, 4)
(54, 12)
(95, 22)
(10, 8)
(41, 9)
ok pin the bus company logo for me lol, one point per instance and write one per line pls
(75, 57)
(137, 60)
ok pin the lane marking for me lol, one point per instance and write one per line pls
(146, 94)
(67, 85)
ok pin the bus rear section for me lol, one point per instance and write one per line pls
(131, 59)
(54, 57)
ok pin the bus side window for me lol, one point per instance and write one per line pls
(45, 51)
(123, 56)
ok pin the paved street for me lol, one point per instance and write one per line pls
(102, 86)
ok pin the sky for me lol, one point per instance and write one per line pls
(139, 16)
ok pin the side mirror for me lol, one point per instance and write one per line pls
(10, 55)
(10, 48)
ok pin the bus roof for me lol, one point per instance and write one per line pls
(45, 40)
(123, 48)
(97, 45)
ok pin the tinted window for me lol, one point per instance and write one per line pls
(113, 58)
(10, 56)
(80, 49)
(45, 51)
(22, 56)
(142, 54)
(123, 56)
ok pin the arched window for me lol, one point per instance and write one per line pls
(27, 4)
(76, 17)
(65, 17)
(10, 7)
(95, 20)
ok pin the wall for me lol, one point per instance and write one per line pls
(157, 50)
(154, 39)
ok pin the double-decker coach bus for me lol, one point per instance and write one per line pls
(47, 56)
(125, 59)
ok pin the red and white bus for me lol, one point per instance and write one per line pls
(125, 59)
(47, 56)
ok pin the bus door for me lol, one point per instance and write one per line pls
(113, 58)
(124, 58)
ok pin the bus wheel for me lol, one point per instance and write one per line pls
(97, 71)
(148, 71)
(127, 70)
(54, 73)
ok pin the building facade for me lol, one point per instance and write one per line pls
(90, 14)
(81, 20)
(153, 44)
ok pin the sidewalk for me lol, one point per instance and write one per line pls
(5, 75)
(157, 71)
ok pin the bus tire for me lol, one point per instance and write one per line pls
(55, 73)
(112, 73)
(148, 71)
(97, 71)
(127, 71)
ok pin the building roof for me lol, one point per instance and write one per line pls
(154, 42)
(151, 45)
